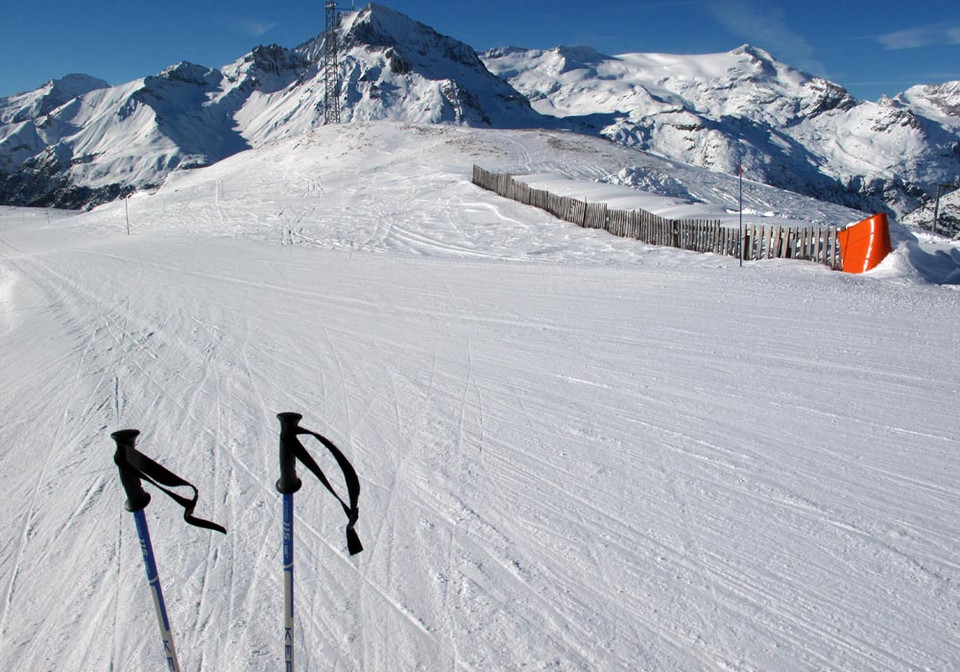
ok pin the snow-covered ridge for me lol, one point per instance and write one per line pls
(98, 142)
(788, 128)
(938, 101)
(77, 141)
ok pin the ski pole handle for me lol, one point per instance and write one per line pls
(289, 424)
(137, 497)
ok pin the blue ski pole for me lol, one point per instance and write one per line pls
(153, 579)
(137, 500)
(288, 581)
(287, 485)
(292, 450)
(133, 467)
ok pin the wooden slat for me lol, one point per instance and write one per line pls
(816, 244)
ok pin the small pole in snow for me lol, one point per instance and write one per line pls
(941, 188)
(126, 210)
(740, 230)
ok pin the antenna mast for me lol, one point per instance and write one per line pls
(331, 70)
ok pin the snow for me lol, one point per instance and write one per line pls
(576, 451)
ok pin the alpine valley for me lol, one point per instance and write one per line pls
(77, 141)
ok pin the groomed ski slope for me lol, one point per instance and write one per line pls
(576, 452)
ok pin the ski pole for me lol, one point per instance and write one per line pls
(286, 486)
(134, 467)
(137, 500)
(292, 450)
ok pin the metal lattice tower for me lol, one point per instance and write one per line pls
(331, 70)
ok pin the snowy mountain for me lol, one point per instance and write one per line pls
(77, 142)
(790, 129)
(391, 67)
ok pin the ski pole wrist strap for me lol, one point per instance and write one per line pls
(134, 465)
(350, 507)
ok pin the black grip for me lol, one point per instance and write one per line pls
(135, 467)
(291, 450)
(137, 497)
(289, 428)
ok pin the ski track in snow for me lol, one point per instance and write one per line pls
(576, 452)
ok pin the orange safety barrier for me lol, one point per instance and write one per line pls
(865, 244)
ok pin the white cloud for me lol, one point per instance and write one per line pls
(921, 36)
(254, 28)
(766, 27)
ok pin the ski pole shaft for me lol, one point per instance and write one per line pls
(153, 579)
(288, 638)
(287, 485)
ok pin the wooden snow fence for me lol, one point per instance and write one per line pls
(697, 235)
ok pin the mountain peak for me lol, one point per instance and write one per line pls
(187, 72)
(176, 85)
(381, 27)
(50, 96)
(392, 62)
(581, 53)
(75, 84)
(754, 52)
(577, 57)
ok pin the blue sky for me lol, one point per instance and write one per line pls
(871, 48)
